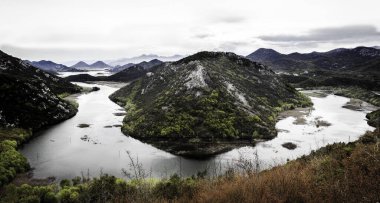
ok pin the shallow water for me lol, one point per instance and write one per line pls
(59, 151)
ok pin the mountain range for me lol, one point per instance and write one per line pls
(126, 73)
(144, 57)
(359, 59)
(51, 66)
(96, 65)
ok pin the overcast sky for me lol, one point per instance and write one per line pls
(69, 30)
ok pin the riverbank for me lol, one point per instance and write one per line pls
(13, 165)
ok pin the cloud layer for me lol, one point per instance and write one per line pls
(346, 34)
(98, 29)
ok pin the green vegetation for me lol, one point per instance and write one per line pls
(63, 95)
(335, 173)
(358, 93)
(11, 161)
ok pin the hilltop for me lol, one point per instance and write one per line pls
(205, 104)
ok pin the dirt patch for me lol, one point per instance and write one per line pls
(27, 178)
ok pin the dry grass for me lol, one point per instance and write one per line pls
(337, 173)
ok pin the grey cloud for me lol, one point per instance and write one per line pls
(232, 46)
(62, 54)
(203, 36)
(338, 34)
(230, 19)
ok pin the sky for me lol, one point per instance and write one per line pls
(72, 30)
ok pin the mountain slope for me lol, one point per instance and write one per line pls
(144, 64)
(150, 64)
(205, 104)
(28, 96)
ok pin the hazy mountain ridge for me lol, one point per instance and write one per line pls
(51, 66)
(126, 73)
(144, 64)
(202, 99)
(144, 57)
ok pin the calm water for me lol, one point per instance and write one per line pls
(90, 72)
(59, 151)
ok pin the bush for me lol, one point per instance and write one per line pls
(11, 161)
(65, 183)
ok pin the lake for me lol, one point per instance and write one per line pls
(66, 150)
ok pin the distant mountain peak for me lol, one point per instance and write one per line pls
(80, 64)
(100, 64)
(263, 54)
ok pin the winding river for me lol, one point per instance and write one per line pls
(66, 151)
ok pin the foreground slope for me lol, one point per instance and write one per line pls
(205, 104)
(28, 96)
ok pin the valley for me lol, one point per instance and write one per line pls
(175, 118)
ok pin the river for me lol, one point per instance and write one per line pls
(65, 150)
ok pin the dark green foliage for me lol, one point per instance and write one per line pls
(12, 161)
(374, 119)
(65, 183)
(346, 79)
(175, 187)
